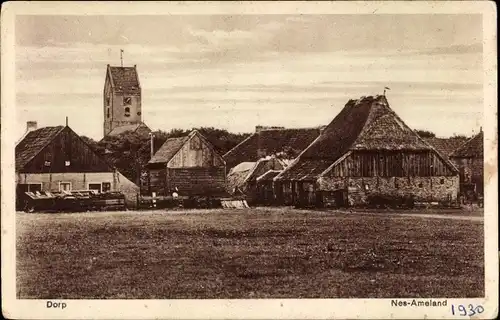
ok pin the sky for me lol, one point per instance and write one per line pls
(239, 71)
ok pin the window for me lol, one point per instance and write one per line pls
(67, 163)
(64, 186)
(108, 113)
(441, 181)
(139, 113)
(95, 186)
(127, 101)
(420, 185)
(127, 112)
(29, 187)
(106, 186)
(108, 101)
(47, 163)
(396, 184)
(367, 186)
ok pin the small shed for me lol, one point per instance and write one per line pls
(243, 178)
(265, 187)
(189, 165)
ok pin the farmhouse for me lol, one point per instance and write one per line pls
(57, 159)
(122, 103)
(188, 164)
(367, 151)
(470, 161)
(242, 179)
(268, 141)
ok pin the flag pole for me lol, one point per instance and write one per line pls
(121, 57)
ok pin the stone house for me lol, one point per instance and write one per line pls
(56, 158)
(367, 151)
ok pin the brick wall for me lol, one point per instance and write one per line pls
(439, 188)
(81, 180)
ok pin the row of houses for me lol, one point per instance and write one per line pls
(365, 151)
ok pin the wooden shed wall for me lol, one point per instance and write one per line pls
(196, 153)
(391, 164)
(67, 146)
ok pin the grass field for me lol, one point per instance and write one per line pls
(253, 253)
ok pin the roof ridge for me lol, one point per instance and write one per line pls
(61, 128)
(465, 143)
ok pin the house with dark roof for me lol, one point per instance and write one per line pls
(445, 146)
(367, 151)
(122, 101)
(190, 165)
(242, 179)
(57, 159)
(268, 141)
(469, 159)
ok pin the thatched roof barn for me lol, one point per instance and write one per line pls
(366, 150)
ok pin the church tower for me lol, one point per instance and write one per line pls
(122, 99)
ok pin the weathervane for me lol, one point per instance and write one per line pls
(386, 88)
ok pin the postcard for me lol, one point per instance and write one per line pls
(249, 160)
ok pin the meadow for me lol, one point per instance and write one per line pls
(245, 254)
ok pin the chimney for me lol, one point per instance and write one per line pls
(31, 126)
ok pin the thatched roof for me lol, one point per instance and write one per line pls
(33, 143)
(364, 124)
(473, 148)
(445, 146)
(270, 142)
(269, 175)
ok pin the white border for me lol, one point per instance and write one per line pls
(242, 309)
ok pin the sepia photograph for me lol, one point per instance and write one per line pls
(203, 153)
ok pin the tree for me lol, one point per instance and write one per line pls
(425, 133)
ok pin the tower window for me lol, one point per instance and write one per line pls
(139, 113)
(108, 100)
(108, 113)
(127, 101)
(127, 112)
